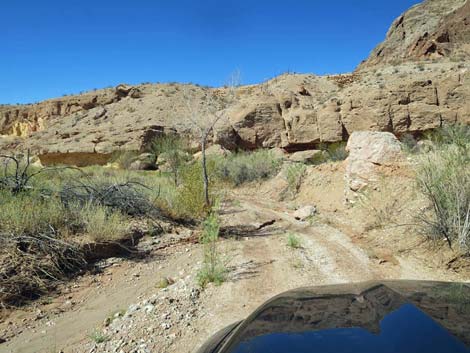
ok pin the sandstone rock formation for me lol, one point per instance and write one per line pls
(434, 29)
(390, 92)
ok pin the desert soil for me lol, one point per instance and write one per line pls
(123, 300)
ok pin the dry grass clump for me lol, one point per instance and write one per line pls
(385, 206)
(103, 224)
(294, 177)
(124, 159)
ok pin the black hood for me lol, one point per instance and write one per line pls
(372, 317)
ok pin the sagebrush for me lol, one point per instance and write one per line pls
(243, 167)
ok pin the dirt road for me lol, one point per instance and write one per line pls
(124, 307)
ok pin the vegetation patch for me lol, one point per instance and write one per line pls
(245, 167)
(443, 177)
(293, 241)
(213, 269)
(46, 219)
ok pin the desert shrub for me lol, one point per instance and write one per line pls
(98, 337)
(453, 134)
(19, 175)
(34, 252)
(383, 205)
(30, 214)
(103, 224)
(213, 269)
(40, 226)
(337, 151)
(293, 241)
(294, 176)
(443, 177)
(244, 167)
(189, 198)
(173, 150)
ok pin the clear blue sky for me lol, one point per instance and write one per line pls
(55, 47)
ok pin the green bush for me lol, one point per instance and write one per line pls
(453, 134)
(443, 177)
(27, 214)
(337, 151)
(244, 167)
(189, 196)
(213, 269)
(293, 241)
(173, 151)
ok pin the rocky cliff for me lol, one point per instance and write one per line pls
(402, 88)
(437, 30)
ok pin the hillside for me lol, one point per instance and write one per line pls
(149, 245)
(396, 89)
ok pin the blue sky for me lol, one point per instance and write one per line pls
(55, 47)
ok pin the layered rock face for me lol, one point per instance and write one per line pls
(434, 29)
(389, 92)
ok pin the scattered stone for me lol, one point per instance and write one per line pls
(305, 213)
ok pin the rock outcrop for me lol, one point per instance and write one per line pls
(368, 152)
(389, 93)
(434, 29)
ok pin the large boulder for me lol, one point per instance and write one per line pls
(145, 161)
(213, 151)
(307, 156)
(368, 151)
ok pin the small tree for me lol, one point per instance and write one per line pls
(204, 113)
(173, 148)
